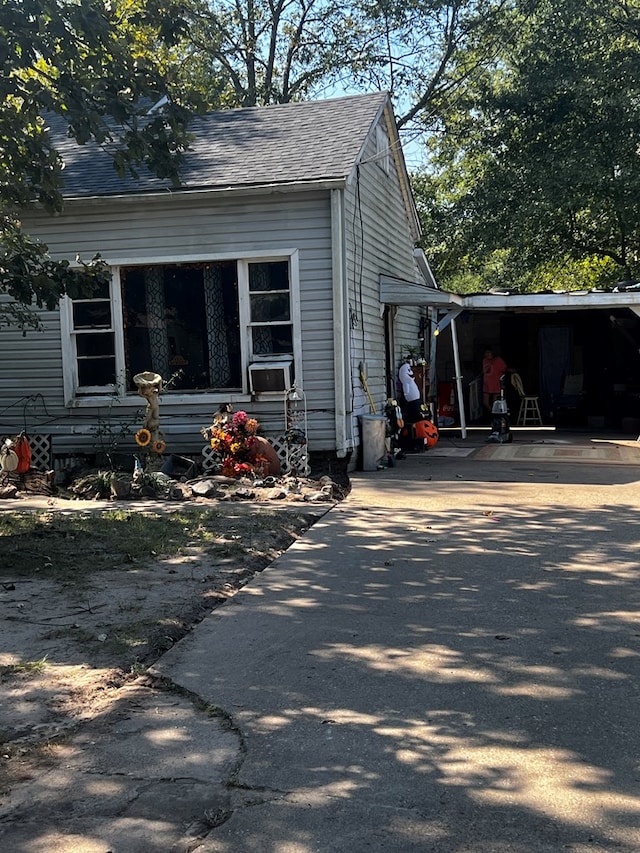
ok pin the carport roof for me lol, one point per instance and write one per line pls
(395, 291)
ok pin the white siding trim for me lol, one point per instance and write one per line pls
(180, 196)
(244, 318)
(118, 330)
(341, 361)
(69, 363)
(296, 316)
(135, 261)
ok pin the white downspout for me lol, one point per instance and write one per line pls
(341, 363)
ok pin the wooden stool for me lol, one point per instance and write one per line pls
(529, 414)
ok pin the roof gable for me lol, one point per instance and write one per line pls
(283, 144)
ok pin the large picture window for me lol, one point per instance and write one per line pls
(197, 324)
(183, 322)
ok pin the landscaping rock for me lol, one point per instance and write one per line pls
(206, 488)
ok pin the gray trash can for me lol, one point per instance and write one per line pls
(373, 429)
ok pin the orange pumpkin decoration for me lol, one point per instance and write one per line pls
(22, 449)
(428, 431)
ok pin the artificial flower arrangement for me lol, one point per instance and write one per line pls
(234, 440)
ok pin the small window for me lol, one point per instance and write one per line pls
(93, 336)
(270, 308)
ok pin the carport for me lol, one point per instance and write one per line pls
(579, 351)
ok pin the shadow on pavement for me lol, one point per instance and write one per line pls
(446, 681)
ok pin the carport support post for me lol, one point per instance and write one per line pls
(441, 322)
(458, 378)
(433, 351)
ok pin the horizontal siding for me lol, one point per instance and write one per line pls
(180, 228)
(407, 325)
(379, 242)
(133, 230)
(31, 395)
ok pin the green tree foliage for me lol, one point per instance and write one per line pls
(423, 51)
(536, 179)
(258, 52)
(86, 60)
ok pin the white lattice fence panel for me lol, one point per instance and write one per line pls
(208, 459)
(293, 457)
(40, 451)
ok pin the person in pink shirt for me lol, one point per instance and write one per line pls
(493, 367)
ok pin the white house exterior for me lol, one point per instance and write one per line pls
(270, 252)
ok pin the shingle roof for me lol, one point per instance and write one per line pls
(257, 146)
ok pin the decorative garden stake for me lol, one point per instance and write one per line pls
(150, 386)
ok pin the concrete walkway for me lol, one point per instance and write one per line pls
(448, 661)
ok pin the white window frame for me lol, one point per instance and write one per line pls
(71, 379)
(294, 307)
(96, 396)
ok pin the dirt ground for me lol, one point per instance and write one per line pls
(69, 645)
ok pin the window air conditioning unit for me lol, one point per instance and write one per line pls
(270, 377)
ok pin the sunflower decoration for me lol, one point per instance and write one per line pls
(143, 437)
(159, 446)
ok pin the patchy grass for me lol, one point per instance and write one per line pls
(70, 546)
(23, 667)
(103, 593)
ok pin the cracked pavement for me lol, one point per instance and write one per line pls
(150, 776)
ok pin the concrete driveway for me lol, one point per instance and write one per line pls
(448, 661)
